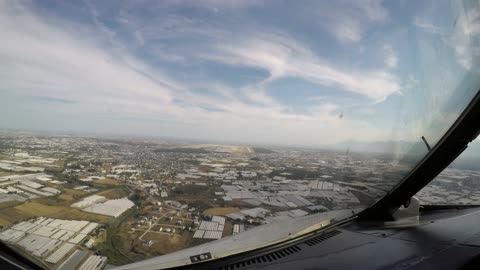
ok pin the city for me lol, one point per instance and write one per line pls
(72, 202)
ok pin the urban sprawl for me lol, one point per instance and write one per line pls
(71, 202)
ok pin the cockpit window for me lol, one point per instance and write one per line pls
(457, 184)
(134, 130)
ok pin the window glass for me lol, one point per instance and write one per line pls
(458, 183)
(134, 130)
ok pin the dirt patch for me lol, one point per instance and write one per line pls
(36, 209)
(11, 215)
(4, 222)
(111, 194)
(6, 173)
(71, 194)
(9, 204)
(221, 211)
(66, 197)
(108, 181)
(74, 192)
(228, 229)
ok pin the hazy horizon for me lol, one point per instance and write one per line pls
(378, 147)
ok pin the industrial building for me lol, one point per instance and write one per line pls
(211, 229)
(54, 240)
(113, 208)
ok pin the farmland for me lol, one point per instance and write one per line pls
(221, 211)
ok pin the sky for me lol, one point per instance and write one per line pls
(310, 73)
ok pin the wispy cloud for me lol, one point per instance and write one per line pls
(466, 35)
(282, 57)
(391, 59)
(348, 21)
(261, 46)
(43, 59)
(215, 4)
(53, 99)
(428, 26)
(463, 36)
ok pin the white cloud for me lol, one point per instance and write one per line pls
(464, 37)
(373, 9)
(391, 59)
(216, 4)
(347, 30)
(427, 26)
(348, 20)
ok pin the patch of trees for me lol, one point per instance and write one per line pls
(138, 197)
(189, 189)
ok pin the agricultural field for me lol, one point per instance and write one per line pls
(8, 204)
(11, 215)
(71, 195)
(6, 173)
(47, 207)
(115, 193)
(221, 211)
(108, 182)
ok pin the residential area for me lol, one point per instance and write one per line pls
(72, 202)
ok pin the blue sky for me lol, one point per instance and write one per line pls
(317, 73)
